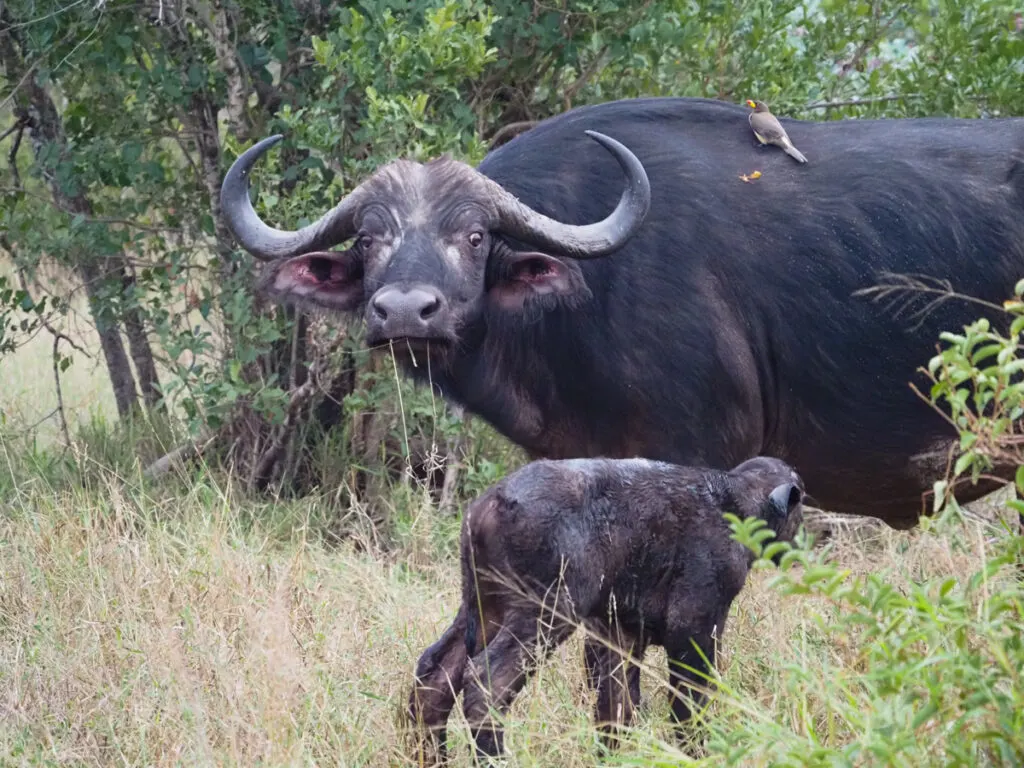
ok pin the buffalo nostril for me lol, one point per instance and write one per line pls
(379, 309)
(430, 308)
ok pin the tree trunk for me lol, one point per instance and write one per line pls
(138, 339)
(121, 380)
(139, 346)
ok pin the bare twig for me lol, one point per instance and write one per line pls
(510, 131)
(60, 394)
(24, 78)
(12, 156)
(35, 64)
(90, 219)
(298, 399)
(37, 19)
(870, 40)
(18, 125)
(31, 427)
(268, 469)
(927, 401)
(881, 99)
(57, 335)
(942, 290)
(858, 102)
(570, 93)
(165, 463)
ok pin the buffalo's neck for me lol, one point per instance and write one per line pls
(535, 381)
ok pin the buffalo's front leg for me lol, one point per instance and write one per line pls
(439, 679)
(499, 672)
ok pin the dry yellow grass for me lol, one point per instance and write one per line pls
(163, 633)
(198, 628)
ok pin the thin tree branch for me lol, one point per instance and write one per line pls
(871, 39)
(60, 395)
(880, 99)
(570, 93)
(63, 9)
(510, 131)
(57, 335)
(12, 156)
(95, 219)
(188, 450)
(17, 87)
(35, 64)
(31, 427)
(19, 124)
(856, 102)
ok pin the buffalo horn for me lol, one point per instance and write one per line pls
(265, 242)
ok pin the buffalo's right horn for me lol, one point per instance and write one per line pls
(266, 242)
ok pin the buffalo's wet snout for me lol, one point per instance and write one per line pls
(408, 312)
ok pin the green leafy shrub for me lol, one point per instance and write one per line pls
(936, 678)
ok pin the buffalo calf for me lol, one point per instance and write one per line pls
(636, 550)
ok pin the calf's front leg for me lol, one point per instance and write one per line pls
(439, 679)
(613, 655)
(691, 662)
(499, 672)
(594, 654)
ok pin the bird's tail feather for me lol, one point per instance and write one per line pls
(795, 153)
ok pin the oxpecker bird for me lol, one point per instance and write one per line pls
(768, 130)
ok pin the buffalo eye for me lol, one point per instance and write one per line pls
(475, 238)
(365, 241)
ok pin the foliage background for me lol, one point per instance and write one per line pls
(233, 612)
(119, 119)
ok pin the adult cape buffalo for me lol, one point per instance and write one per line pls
(701, 319)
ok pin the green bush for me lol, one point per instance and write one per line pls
(937, 676)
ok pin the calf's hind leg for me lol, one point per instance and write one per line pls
(501, 669)
(439, 679)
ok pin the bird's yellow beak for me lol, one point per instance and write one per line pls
(751, 104)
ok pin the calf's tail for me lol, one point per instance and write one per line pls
(471, 603)
(480, 526)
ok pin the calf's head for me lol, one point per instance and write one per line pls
(429, 253)
(771, 490)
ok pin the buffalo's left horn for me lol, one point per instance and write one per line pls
(266, 242)
(588, 240)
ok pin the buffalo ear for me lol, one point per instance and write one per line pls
(523, 276)
(784, 499)
(330, 279)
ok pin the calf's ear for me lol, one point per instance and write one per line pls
(330, 279)
(784, 499)
(522, 276)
